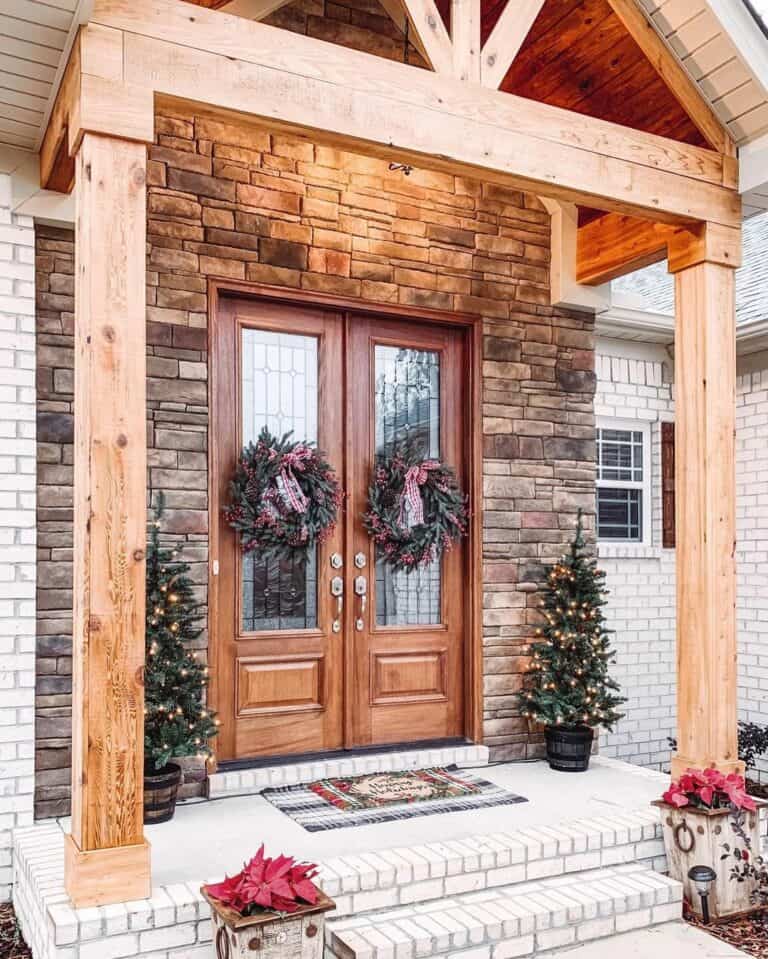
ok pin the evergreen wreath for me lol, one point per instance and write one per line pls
(284, 498)
(416, 509)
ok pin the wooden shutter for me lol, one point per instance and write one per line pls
(668, 484)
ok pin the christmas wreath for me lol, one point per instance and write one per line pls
(284, 497)
(416, 510)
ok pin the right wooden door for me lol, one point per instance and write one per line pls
(405, 647)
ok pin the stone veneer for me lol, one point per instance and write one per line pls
(240, 202)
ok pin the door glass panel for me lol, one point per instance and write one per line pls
(279, 391)
(407, 408)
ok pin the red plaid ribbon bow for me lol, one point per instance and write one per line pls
(291, 492)
(411, 502)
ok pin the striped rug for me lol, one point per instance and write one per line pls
(386, 797)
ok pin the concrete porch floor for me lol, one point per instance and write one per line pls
(235, 827)
(598, 825)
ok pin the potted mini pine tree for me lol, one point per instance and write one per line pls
(176, 721)
(570, 691)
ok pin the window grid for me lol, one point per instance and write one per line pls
(623, 483)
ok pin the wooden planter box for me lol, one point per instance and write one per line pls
(695, 837)
(269, 935)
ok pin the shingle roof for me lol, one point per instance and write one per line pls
(656, 287)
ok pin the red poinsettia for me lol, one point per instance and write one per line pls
(709, 789)
(274, 884)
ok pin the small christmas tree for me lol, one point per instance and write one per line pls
(570, 685)
(176, 721)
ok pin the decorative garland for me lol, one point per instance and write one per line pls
(416, 510)
(284, 498)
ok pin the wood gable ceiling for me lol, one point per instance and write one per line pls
(579, 55)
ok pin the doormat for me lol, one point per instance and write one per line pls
(386, 797)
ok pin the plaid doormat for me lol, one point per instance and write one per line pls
(385, 797)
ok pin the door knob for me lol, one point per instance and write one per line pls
(361, 590)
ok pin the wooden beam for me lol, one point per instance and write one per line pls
(614, 245)
(107, 856)
(465, 35)
(433, 37)
(398, 14)
(565, 290)
(346, 97)
(93, 98)
(674, 75)
(705, 411)
(506, 38)
(252, 9)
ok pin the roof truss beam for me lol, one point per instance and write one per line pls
(250, 9)
(376, 106)
(433, 38)
(505, 40)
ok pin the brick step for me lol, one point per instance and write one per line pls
(392, 877)
(246, 782)
(509, 921)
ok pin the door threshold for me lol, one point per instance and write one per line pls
(262, 762)
(251, 778)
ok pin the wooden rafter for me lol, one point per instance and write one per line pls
(614, 245)
(250, 9)
(432, 34)
(673, 74)
(505, 40)
(465, 36)
(398, 14)
(345, 96)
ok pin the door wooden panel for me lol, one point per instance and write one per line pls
(405, 669)
(286, 681)
(277, 661)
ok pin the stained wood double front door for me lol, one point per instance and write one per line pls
(337, 652)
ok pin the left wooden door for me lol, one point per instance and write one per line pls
(277, 653)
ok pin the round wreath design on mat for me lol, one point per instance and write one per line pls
(285, 497)
(416, 510)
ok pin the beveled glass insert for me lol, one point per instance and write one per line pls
(279, 391)
(407, 409)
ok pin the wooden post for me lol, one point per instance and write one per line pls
(107, 857)
(705, 397)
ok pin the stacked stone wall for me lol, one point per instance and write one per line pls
(242, 202)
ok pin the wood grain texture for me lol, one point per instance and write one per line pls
(705, 363)
(579, 55)
(400, 111)
(613, 245)
(433, 36)
(506, 38)
(672, 72)
(465, 36)
(110, 497)
(101, 877)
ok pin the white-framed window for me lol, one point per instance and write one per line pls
(623, 482)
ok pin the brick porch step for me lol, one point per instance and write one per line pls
(509, 921)
(392, 877)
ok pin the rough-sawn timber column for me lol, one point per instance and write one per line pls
(107, 857)
(704, 265)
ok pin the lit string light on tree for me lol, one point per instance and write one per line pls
(569, 684)
(176, 720)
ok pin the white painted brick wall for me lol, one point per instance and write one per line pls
(752, 543)
(17, 525)
(633, 382)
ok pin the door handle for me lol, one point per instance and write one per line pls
(337, 590)
(361, 590)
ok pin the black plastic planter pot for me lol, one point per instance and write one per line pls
(569, 749)
(161, 787)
